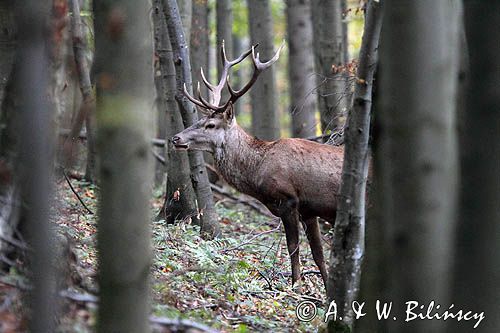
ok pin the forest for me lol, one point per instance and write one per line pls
(249, 166)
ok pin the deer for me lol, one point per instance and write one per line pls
(296, 179)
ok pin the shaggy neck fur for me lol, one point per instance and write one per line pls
(240, 151)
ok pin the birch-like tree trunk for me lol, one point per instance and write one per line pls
(186, 12)
(34, 120)
(348, 241)
(477, 264)
(418, 61)
(124, 78)
(265, 115)
(329, 48)
(180, 199)
(301, 68)
(199, 177)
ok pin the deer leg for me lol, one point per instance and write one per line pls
(314, 236)
(291, 224)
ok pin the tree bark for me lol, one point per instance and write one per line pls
(199, 42)
(124, 80)
(477, 268)
(418, 153)
(86, 112)
(180, 199)
(224, 18)
(186, 12)
(36, 156)
(329, 47)
(199, 177)
(265, 115)
(301, 68)
(348, 241)
(9, 192)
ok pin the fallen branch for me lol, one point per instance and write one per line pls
(249, 241)
(76, 194)
(252, 204)
(158, 157)
(181, 325)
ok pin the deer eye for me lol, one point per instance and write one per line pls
(210, 126)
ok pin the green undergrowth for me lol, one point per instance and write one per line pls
(239, 282)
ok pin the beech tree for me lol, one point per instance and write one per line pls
(349, 233)
(418, 168)
(180, 199)
(301, 68)
(477, 264)
(199, 177)
(330, 48)
(265, 117)
(124, 79)
(31, 77)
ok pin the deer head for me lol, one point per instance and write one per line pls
(210, 131)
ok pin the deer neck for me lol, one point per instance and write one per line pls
(239, 157)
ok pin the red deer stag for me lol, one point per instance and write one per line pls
(296, 179)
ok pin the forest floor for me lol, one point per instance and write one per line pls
(239, 282)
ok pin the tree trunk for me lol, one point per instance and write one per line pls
(36, 156)
(301, 68)
(477, 268)
(180, 199)
(186, 12)
(9, 193)
(199, 42)
(86, 112)
(124, 125)
(224, 18)
(348, 241)
(418, 153)
(199, 177)
(265, 115)
(200, 46)
(329, 47)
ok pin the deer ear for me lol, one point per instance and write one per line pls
(229, 113)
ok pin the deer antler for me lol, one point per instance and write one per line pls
(216, 91)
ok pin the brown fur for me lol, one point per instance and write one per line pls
(298, 180)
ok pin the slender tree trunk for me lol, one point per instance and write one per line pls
(237, 75)
(329, 47)
(199, 42)
(200, 47)
(301, 68)
(86, 112)
(186, 12)
(224, 19)
(418, 153)
(35, 156)
(348, 241)
(180, 199)
(9, 193)
(199, 177)
(477, 268)
(265, 115)
(124, 124)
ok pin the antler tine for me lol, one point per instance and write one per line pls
(258, 68)
(263, 65)
(208, 105)
(191, 98)
(210, 86)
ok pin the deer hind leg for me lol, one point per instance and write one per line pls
(290, 217)
(311, 227)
